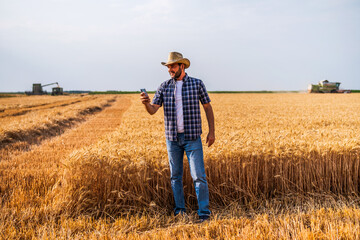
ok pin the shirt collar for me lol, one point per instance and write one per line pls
(186, 77)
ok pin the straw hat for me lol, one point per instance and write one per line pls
(175, 57)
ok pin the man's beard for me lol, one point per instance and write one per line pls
(178, 74)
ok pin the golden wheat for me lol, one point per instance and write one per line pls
(32, 101)
(274, 154)
(49, 114)
(26, 179)
(262, 151)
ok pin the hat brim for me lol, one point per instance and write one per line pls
(185, 61)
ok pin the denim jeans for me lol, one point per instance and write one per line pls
(194, 153)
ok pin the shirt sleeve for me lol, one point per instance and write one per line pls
(158, 98)
(203, 95)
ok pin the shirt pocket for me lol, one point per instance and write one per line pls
(168, 96)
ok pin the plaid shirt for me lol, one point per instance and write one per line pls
(193, 90)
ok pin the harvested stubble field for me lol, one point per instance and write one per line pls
(283, 166)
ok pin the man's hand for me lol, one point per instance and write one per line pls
(210, 139)
(144, 98)
(150, 108)
(211, 121)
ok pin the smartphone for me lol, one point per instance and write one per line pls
(144, 91)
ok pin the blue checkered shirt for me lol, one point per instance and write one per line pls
(193, 90)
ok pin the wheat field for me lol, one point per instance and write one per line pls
(284, 166)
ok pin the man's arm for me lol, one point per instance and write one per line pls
(211, 121)
(150, 108)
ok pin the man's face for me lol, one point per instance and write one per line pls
(174, 70)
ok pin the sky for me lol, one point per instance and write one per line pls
(243, 45)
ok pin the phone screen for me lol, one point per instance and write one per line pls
(144, 91)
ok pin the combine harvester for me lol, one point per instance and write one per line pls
(38, 89)
(325, 86)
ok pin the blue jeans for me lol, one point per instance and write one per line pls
(194, 153)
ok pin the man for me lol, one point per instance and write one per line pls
(180, 96)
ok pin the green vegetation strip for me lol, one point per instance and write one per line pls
(3, 95)
(135, 92)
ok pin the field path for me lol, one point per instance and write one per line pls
(27, 177)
